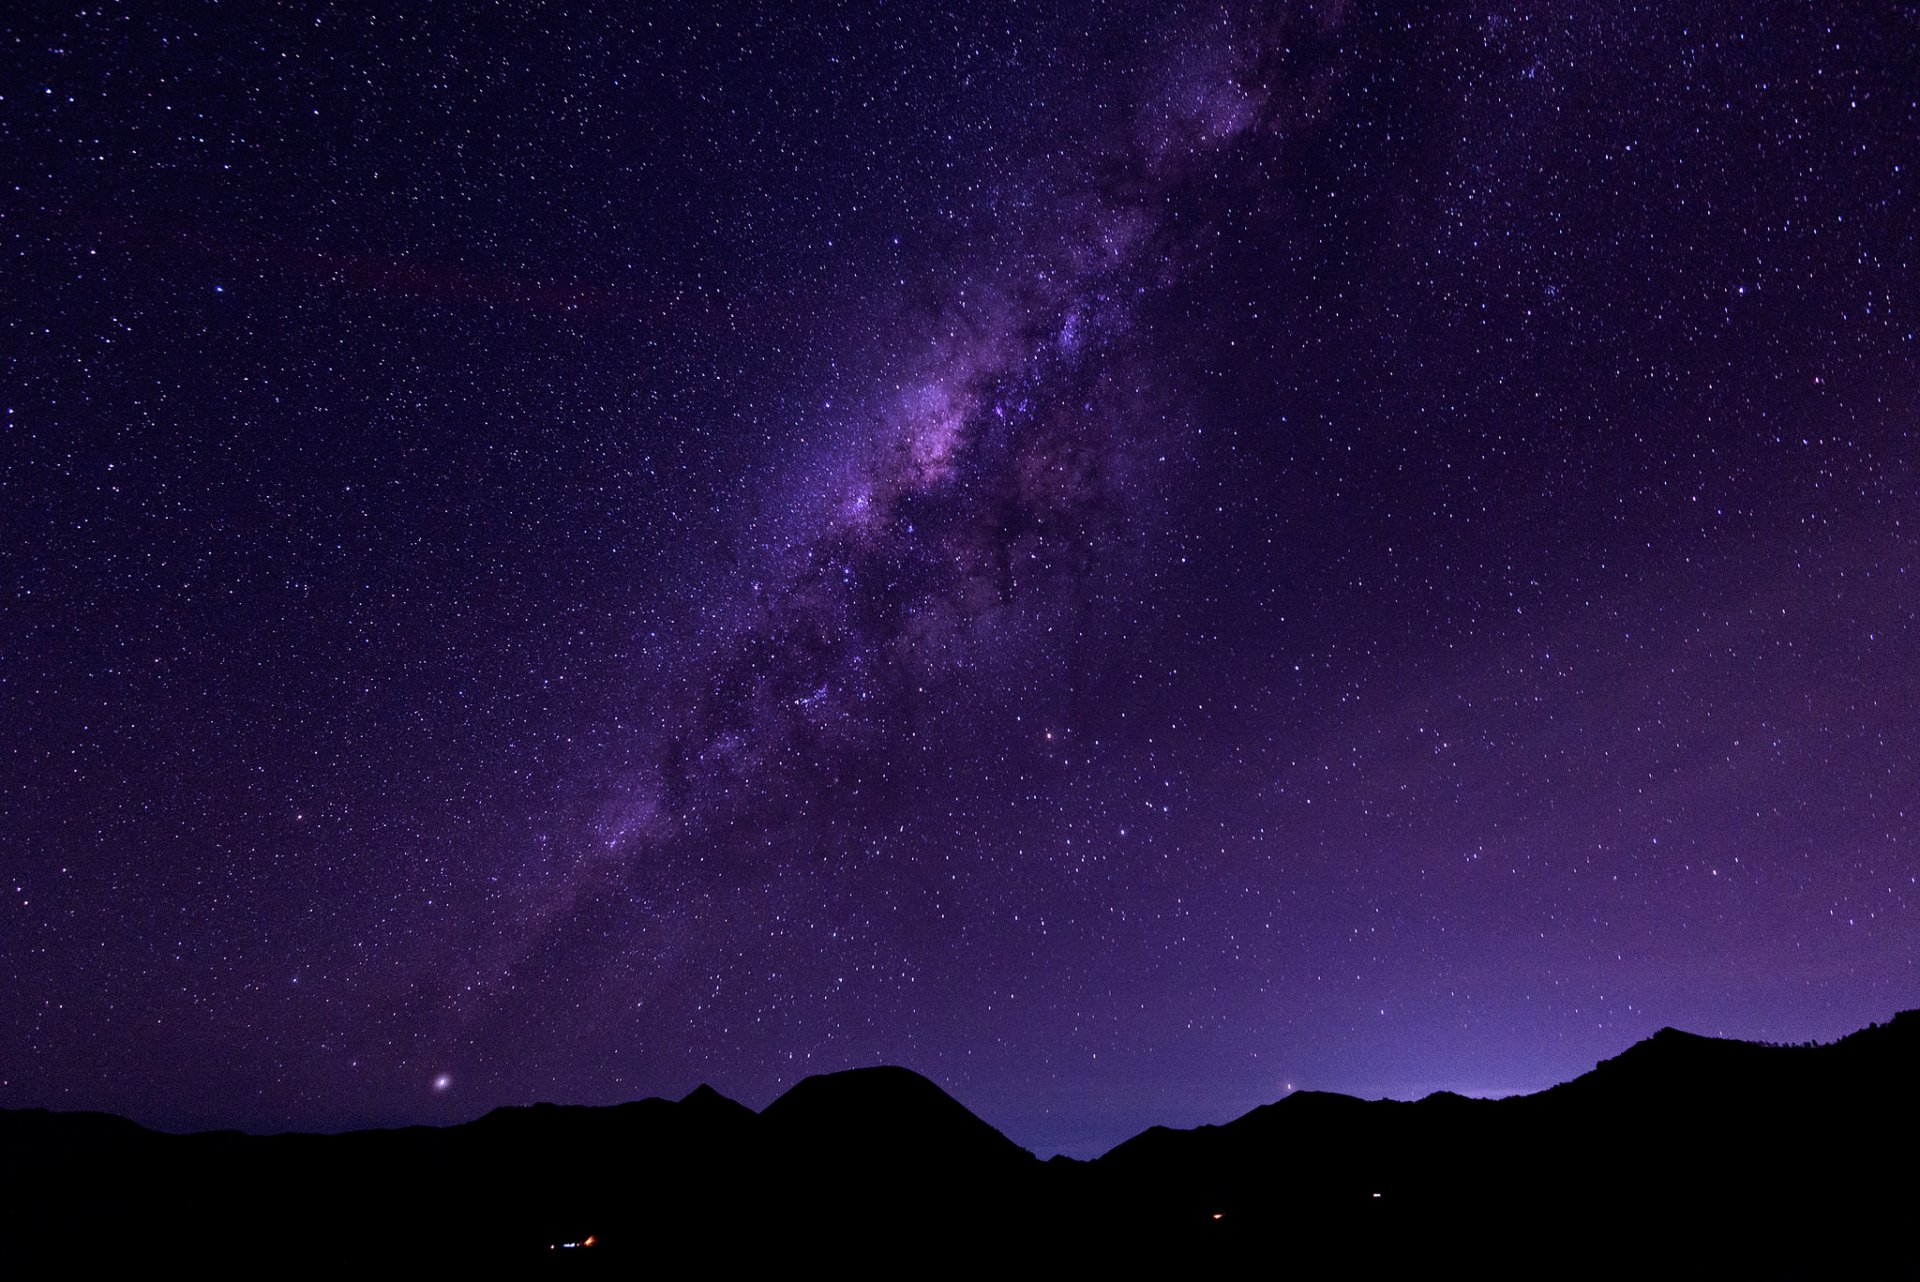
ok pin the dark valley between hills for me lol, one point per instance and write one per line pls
(1682, 1152)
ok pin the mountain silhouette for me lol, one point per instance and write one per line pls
(890, 1116)
(1737, 1152)
(705, 1102)
(1682, 1152)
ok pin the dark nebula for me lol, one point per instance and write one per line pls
(1127, 561)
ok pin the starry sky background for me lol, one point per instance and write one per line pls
(1128, 560)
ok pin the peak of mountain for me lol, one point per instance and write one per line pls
(1673, 1068)
(878, 1083)
(704, 1101)
(1665, 1045)
(883, 1088)
(889, 1112)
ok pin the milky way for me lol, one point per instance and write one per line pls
(1129, 562)
(964, 508)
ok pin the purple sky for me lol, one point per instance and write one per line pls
(1124, 562)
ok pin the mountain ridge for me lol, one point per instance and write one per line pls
(876, 1159)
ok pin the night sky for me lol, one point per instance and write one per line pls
(1127, 560)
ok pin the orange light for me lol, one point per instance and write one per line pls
(1217, 1214)
(590, 1240)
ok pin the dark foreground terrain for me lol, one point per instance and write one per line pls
(1683, 1154)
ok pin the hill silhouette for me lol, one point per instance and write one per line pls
(886, 1116)
(1681, 1152)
